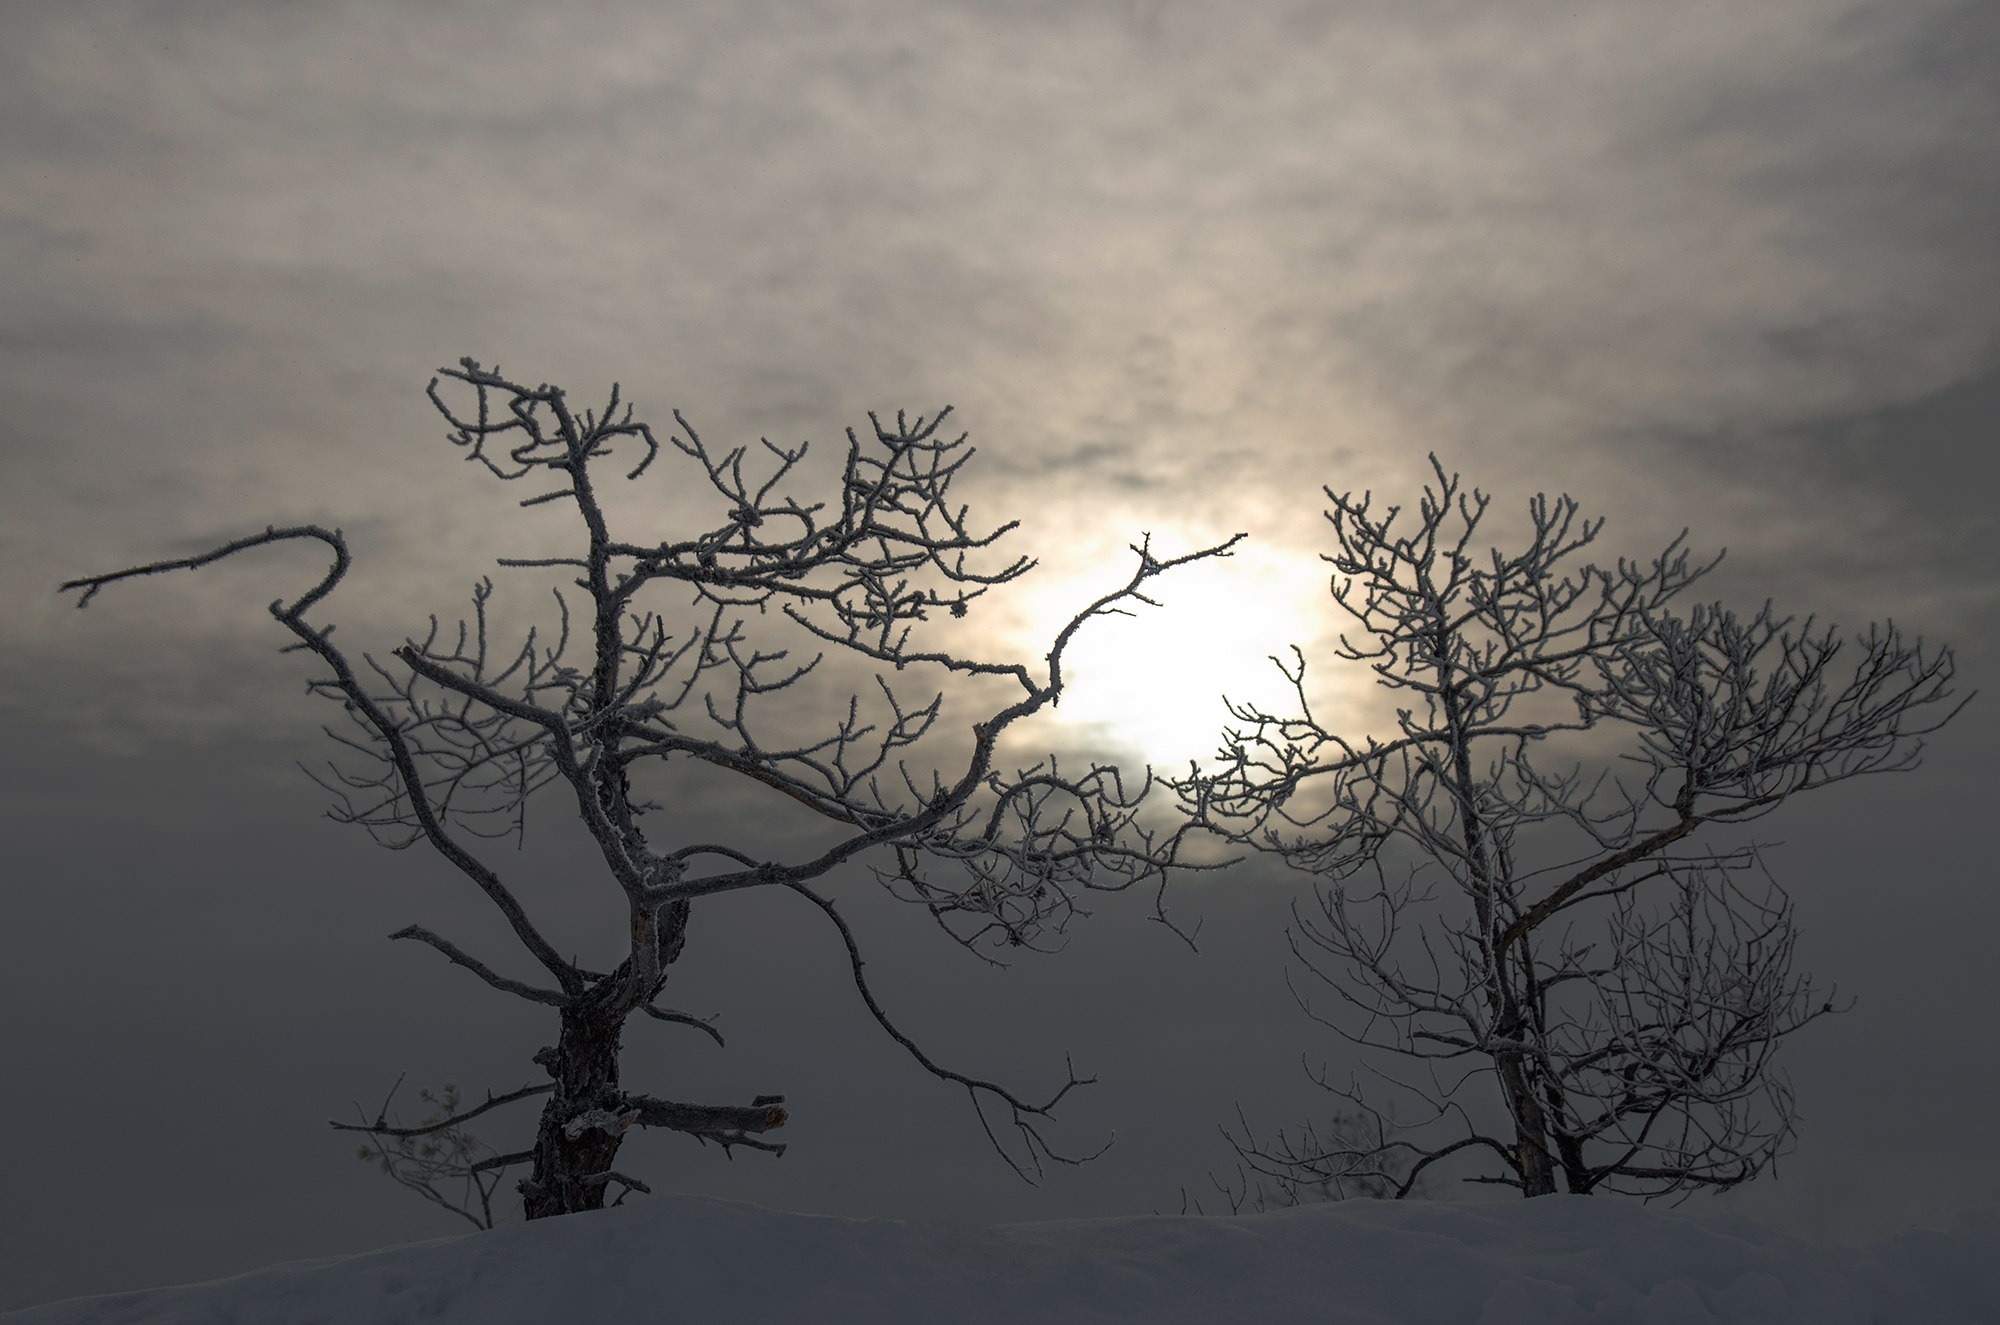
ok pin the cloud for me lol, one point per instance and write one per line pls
(1174, 268)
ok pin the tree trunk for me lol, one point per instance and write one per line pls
(580, 1129)
(1531, 1152)
(1569, 1150)
(1531, 1127)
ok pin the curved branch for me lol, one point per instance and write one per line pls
(292, 617)
(1513, 1162)
(90, 584)
(883, 829)
(1022, 1110)
(684, 1019)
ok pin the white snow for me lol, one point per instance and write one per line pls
(694, 1259)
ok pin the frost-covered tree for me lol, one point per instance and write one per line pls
(1575, 935)
(450, 738)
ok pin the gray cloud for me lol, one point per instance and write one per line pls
(1175, 265)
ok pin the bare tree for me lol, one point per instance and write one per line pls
(1579, 939)
(450, 739)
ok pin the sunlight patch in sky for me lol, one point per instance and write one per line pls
(1150, 685)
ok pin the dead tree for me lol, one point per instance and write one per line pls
(1575, 936)
(450, 739)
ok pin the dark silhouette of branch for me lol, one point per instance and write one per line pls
(1563, 934)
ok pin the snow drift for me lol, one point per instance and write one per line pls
(693, 1259)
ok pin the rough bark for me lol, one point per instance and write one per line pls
(1531, 1125)
(584, 1121)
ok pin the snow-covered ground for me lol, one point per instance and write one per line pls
(693, 1259)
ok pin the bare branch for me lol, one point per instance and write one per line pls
(684, 1019)
(446, 1153)
(1023, 1114)
(380, 1126)
(727, 1125)
(480, 969)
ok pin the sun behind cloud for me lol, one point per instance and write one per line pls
(1148, 687)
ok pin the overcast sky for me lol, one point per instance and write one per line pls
(1175, 266)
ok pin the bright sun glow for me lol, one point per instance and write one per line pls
(1150, 685)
